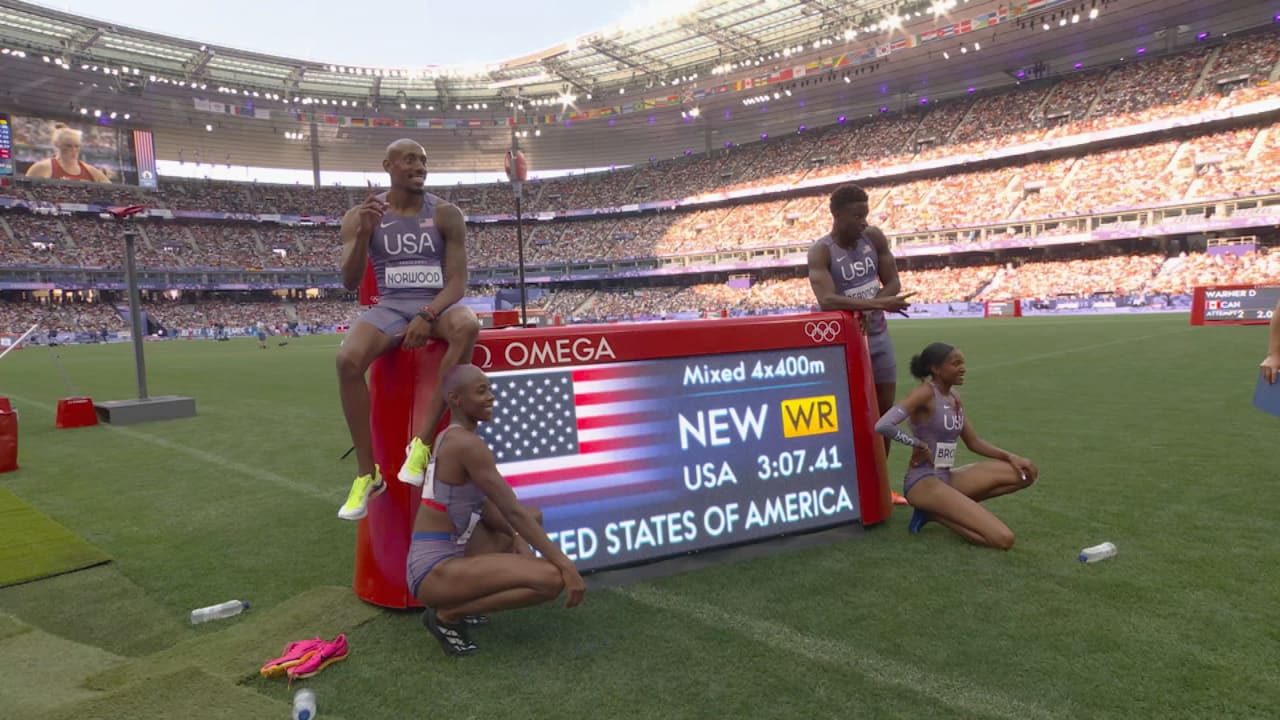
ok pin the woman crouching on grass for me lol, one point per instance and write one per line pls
(934, 488)
(454, 579)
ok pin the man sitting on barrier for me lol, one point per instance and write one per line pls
(852, 268)
(456, 581)
(934, 489)
(416, 244)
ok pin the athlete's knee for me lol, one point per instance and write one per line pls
(464, 325)
(550, 583)
(349, 363)
(1017, 477)
(1000, 539)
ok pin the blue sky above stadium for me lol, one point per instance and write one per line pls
(363, 34)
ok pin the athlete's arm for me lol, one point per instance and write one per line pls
(355, 250)
(453, 226)
(886, 265)
(357, 230)
(477, 459)
(824, 286)
(1271, 363)
(915, 401)
(976, 444)
(42, 169)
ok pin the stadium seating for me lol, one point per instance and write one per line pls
(1193, 167)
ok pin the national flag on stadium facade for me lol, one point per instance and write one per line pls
(581, 434)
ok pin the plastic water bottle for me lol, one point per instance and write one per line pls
(304, 705)
(1097, 553)
(218, 612)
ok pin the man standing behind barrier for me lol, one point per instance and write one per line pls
(416, 244)
(852, 268)
(1271, 363)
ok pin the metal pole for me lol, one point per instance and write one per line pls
(135, 311)
(520, 245)
(515, 186)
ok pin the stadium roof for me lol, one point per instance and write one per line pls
(615, 96)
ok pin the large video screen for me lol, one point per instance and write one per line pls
(637, 460)
(1254, 304)
(85, 149)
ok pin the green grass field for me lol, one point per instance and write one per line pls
(1142, 428)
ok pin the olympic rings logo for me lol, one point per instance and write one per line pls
(823, 331)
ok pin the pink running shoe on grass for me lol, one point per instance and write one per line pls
(325, 655)
(295, 653)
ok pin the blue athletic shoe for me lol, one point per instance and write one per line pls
(919, 519)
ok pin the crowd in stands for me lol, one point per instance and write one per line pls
(1222, 164)
(1181, 274)
(561, 302)
(176, 316)
(1117, 275)
(306, 315)
(1123, 275)
(17, 317)
(1219, 164)
(1128, 93)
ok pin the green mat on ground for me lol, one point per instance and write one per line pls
(36, 547)
(44, 671)
(182, 693)
(10, 626)
(240, 645)
(136, 625)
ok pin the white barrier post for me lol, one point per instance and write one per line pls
(25, 335)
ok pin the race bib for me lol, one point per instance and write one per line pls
(414, 276)
(471, 528)
(865, 291)
(944, 455)
(429, 485)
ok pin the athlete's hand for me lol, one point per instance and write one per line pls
(1025, 467)
(574, 585)
(370, 213)
(894, 303)
(920, 455)
(1271, 368)
(521, 547)
(417, 334)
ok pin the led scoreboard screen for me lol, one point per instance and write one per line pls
(1233, 305)
(6, 147)
(631, 460)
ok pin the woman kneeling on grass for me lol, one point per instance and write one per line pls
(932, 486)
(456, 584)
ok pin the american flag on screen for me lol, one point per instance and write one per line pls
(582, 434)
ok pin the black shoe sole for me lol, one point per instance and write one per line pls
(452, 638)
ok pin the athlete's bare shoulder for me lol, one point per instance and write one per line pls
(471, 448)
(876, 236)
(447, 209)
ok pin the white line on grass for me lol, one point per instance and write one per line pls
(956, 693)
(203, 456)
